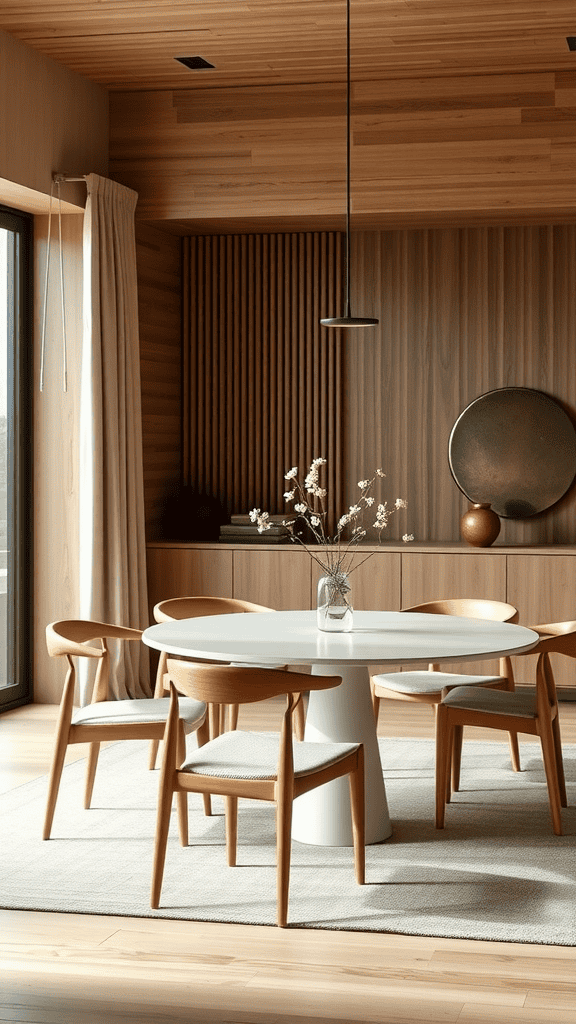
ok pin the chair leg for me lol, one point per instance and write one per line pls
(551, 769)
(202, 737)
(283, 844)
(162, 827)
(158, 692)
(233, 710)
(357, 802)
(154, 745)
(514, 751)
(458, 737)
(448, 777)
(375, 701)
(559, 762)
(231, 803)
(91, 773)
(443, 761)
(54, 783)
(300, 719)
(214, 720)
(182, 796)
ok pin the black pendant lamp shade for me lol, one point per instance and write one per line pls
(347, 320)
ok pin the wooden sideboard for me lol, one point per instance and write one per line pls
(539, 581)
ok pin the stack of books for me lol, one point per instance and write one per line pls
(240, 530)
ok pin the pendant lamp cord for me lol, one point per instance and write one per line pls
(62, 302)
(348, 146)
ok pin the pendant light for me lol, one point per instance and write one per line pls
(347, 320)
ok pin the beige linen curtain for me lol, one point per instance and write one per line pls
(112, 540)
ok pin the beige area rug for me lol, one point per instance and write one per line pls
(496, 872)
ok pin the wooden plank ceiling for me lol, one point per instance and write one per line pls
(131, 44)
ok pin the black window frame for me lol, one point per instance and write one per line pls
(19, 468)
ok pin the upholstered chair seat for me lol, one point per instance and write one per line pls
(254, 755)
(124, 712)
(429, 682)
(492, 702)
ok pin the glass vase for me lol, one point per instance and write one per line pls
(334, 612)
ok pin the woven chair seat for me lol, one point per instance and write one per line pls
(496, 702)
(140, 711)
(430, 682)
(254, 755)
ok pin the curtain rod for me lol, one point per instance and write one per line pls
(64, 178)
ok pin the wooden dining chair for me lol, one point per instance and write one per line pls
(104, 719)
(429, 686)
(533, 713)
(256, 765)
(189, 608)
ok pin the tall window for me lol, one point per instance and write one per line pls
(15, 447)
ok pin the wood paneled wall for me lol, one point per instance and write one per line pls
(494, 148)
(262, 382)
(51, 119)
(462, 312)
(160, 311)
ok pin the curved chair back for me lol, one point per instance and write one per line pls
(190, 607)
(234, 684)
(470, 608)
(553, 629)
(71, 636)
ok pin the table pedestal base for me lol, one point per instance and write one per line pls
(342, 714)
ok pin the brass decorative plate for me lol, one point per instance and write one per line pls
(514, 448)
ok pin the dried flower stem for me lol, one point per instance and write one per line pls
(308, 498)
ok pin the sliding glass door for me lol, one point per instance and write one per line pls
(15, 447)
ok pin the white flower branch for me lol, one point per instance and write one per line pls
(309, 506)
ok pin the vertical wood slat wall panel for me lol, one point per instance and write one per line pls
(159, 301)
(262, 390)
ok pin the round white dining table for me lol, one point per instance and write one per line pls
(342, 713)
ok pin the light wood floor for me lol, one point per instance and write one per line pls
(77, 969)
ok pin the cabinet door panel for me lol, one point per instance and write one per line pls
(375, 583)
(543, 587)
(279, 579)
(188, 572)
(427, 576)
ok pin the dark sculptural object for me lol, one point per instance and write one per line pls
(514, 449)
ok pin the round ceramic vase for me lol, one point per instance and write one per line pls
(480, 525)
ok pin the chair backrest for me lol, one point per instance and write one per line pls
(556, 638)
(552, 629)
(470, 608)
(74, 637)
(191, 607)
(71, 636)
(234, 684)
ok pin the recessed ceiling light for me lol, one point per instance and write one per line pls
(195, 63)
(571, 40)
